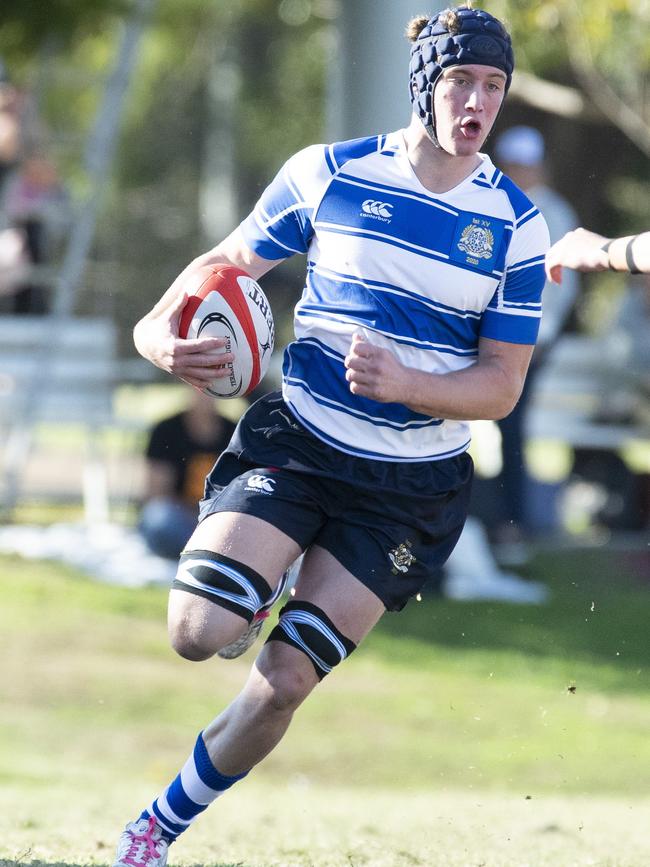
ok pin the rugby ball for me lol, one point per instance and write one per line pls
(224, 301)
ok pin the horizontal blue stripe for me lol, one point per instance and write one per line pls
(316, 372)
(526, 263)
(405, 219)
(402, 316)
(401, 191)
(180, 802)
(525, 286)
(309, 314)
(534, 307)
(382, 285)
(385, 239)
(207, 772)
(510, 329)
(173, 828)
(366, 453)
(339, 407)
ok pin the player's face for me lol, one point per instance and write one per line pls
(466, 102)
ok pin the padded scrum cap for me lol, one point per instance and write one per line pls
(477, 37)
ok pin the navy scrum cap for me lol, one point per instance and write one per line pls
(453, 37)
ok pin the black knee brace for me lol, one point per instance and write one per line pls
(225, 582)
(307, 628)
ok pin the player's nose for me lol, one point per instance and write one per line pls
(474, 99)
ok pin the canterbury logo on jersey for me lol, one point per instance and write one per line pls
(380, 210)
(261, 483)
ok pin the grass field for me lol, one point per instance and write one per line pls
(458, 734)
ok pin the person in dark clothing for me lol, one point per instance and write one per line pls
(180, 453)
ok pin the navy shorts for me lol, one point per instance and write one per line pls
(391, 524)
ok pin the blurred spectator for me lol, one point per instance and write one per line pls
(472, 573)
(10, 132)
(36, 208)
(520, 154)
(632, 328)
(624, 402)
(181, 451)
(13, 246)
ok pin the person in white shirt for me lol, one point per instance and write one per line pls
(521, 153)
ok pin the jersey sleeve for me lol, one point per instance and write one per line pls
(281, 222)
(515, 310)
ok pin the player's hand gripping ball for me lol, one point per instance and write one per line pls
(226, 302)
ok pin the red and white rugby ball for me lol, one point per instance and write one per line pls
(226, 302)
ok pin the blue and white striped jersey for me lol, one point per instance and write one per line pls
(425, 274)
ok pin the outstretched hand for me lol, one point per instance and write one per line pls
(579, 249)
(375, 372)
(196, 361)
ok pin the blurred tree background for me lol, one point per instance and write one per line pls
(224, 92)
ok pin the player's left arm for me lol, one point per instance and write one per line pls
(488, 389)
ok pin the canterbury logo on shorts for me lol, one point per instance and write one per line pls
(262, 484)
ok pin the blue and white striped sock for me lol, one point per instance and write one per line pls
(194, 789)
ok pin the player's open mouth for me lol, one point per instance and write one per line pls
(471, 128)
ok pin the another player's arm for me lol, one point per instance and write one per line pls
(195, 361)
(583, 250)
(488, 389)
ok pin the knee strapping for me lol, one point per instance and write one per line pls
(307, 628)
(224, 581)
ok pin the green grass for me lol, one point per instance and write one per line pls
(458, 734)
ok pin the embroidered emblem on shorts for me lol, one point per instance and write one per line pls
(477, 242)
(401, 557)
(261, 484)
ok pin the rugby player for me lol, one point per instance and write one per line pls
(420, 311)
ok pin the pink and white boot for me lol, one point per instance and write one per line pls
(141, 845)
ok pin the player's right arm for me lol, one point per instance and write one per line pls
(196, 361)
(279, 226)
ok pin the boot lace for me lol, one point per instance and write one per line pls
(143, 849)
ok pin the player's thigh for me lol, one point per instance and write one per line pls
(324, 582)
(328, 615)
(243, 539)
(249, 540)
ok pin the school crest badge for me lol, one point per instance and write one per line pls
(401, 557)
(477, 241)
